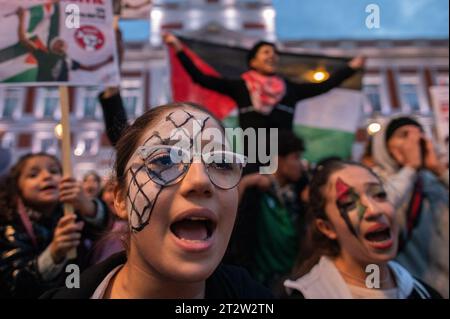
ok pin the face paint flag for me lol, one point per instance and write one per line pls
(327, 122)
(46, 42)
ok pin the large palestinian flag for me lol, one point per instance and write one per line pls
(41, 25)
(327, 123)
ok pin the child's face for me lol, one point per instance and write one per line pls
(361, 215)
(91, 186)
(181, 230)
(39, 181)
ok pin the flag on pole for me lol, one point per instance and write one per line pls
(327, 123)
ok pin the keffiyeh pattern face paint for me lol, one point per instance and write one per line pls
(142, 193)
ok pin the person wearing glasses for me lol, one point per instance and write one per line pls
(177, 186)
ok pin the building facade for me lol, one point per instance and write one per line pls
(398, 79)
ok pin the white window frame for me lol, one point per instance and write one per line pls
(19, 93)
(134, 83)
(81, 93)
(41, 94)
(380, 80)
(414, 79)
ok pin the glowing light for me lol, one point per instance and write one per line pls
(156, 14)
(58, 130)
(319, 76)
(268, 14)
(78, 151)
(373, 128)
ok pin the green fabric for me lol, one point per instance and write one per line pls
(321, 143)
(26, 76)
(36, 16)
(278, 241)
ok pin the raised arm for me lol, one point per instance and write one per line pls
(221, 85)
(114, 114)
(21, 31)
(307, 90)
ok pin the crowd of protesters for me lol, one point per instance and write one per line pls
(159, 228)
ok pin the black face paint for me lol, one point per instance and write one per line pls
(141, 218)
(346, 201)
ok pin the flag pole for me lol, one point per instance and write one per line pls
(66, 150)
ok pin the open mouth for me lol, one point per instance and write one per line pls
(49, 188)
(379, 237)
(193, 228)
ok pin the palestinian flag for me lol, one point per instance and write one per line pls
(41, 25)
(327, 123)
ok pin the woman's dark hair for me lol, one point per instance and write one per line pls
(127, 144)
(9, 188)
(316, 244)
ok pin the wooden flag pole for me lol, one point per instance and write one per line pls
(66, 150)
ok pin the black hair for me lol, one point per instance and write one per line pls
(289, 142)
(254, 50)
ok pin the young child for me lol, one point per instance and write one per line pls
(34, 235)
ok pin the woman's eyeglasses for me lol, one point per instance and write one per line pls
(167, 165)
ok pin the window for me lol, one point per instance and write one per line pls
(132, 97)
(47, 104)
(375, 91)
(372, 92)
(11, 102)
(8, 141)
(87, 104)
(412, 93)
(410, 97)
(87, 144)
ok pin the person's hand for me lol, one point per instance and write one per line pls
(110, 91)
(20, 12)
(173, 41)
(407, 152)
(431, 161)
(71, 192)
(357, 62)
(67, 236)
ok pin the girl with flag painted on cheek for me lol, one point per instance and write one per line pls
(353, 239)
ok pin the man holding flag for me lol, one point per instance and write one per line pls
(264, 99)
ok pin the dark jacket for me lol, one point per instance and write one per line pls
(227, 282)
(282, 114)
(20, 276)
(114, 116)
